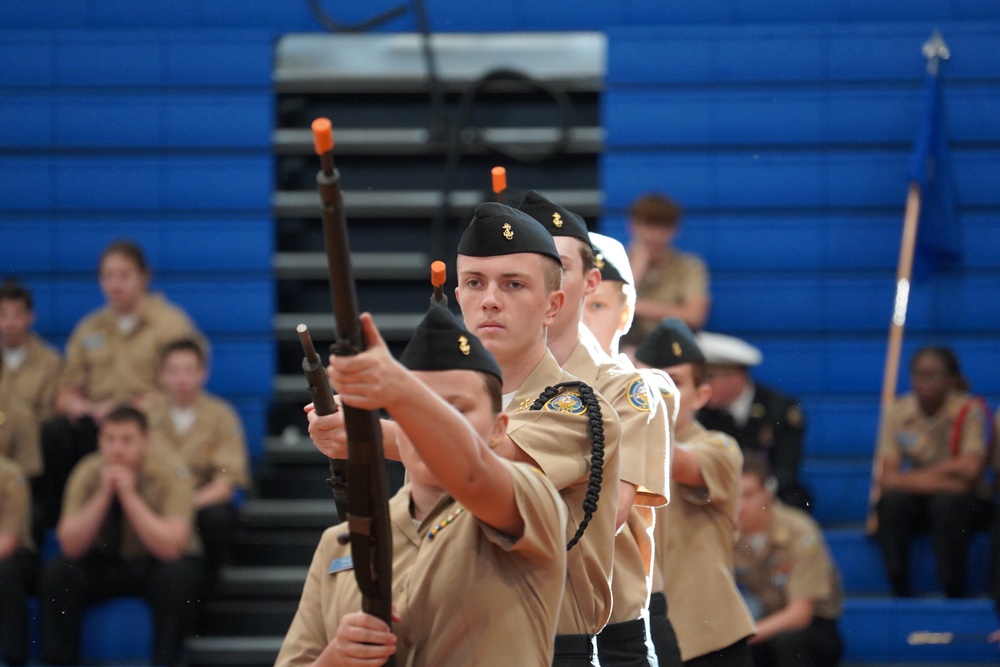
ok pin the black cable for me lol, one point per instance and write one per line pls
(595, 426)
(333, 25)
(461, 140)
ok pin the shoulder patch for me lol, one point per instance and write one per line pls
(568, 402)
(638, 395)
(341, 564)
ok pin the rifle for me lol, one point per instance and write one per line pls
(323, 404)
(367, 514)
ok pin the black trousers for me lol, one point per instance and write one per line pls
(216, 529)
(668, 651)
(818, 645)
(64, 443)
(68, 587)
(952, 520)
(624, 645)
(734, 655)
(17, 581)
(573, 651)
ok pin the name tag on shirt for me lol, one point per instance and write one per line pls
(340, 564)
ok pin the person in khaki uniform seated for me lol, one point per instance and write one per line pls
(509, 277)
(697, 528)
(478, 541)
(645, 432)
(607, 314)
(126, 529)
(18, 563)
(205, 432)
(29, 367)
(668, 282)
(932, 456)
(787, 577)
(111, 359)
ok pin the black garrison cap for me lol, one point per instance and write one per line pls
(557, 220)
(671, 343)
(497, 229)
(441, 343)
(611, 259)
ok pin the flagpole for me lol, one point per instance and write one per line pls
(934, 50)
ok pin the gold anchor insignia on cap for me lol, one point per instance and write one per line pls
(557, 219)
(676, 347)
(463, 345)
(599, 261)
(508, 233)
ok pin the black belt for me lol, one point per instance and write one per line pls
(626, 631)
(574, 646)
(657, 604)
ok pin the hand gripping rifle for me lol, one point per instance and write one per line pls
(368, 524)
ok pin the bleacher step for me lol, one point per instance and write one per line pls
(244, 618)
(289, 514)
(242, 651)
(257, 583)
(364, 265)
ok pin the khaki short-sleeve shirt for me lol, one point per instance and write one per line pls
(678, 277)
(163, 482)
(467, 596)
(107, 364)
(697, 531)
(644, 463)
(557, 439)
(15, 504)
(19, 437)
(212, 446)
(34, 381)
(793, 563)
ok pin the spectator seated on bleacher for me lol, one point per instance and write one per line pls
(205, 432)
(29, 367)
(764, 421)
(126, 530)
(18, 563)
(668, 282)
(932, 455)
(787, 577)
(111, 359)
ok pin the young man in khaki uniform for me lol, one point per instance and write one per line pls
(608, 314)
(478, 541)
(18, 563)
(697, 528)
(205, 432)
(29, 367)
(668, 282)
(509, 276)
(644, 441)
(111, 359)
(787, 577)
(126, 529)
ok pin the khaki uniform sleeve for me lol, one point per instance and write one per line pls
(74, 370)
(307, 636)
(50, 370)
(230, 456)
(973, 437)
(721, 464)
(644, 440)
(82, 483)
(26, 451)
(544, 514)
(810, 575)
(694, 277)
(544, 437)
(178, 500)
(15, 504)
(887, 447)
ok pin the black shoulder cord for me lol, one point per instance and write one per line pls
(595, 425)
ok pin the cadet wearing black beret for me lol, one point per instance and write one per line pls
(442, 343)
(558, 221)
(671, 343)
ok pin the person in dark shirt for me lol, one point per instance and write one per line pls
(761, 419)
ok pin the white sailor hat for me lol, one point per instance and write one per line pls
(727, 350)
(611, 258)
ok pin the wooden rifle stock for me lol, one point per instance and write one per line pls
(367, 488)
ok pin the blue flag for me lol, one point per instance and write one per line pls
(939, 239)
